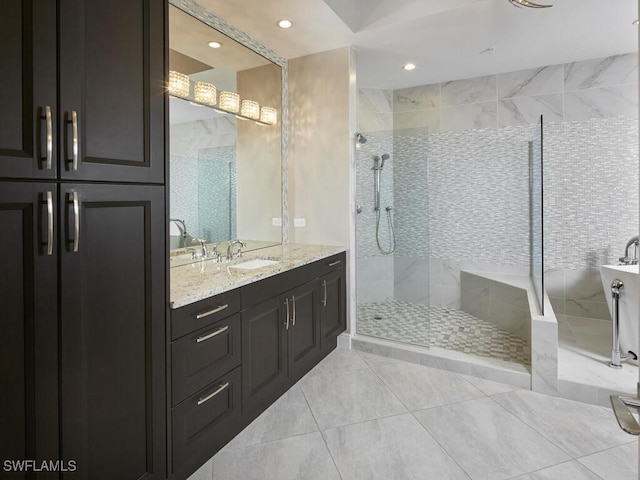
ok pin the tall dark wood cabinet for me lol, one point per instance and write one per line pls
(82, 237)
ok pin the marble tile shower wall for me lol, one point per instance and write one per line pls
(477, 137)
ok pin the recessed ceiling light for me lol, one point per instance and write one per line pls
(284, 23)
(409, 66)
(215, 44)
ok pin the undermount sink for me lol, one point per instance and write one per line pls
(255, 263)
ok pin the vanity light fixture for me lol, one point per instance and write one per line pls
(178, 84)
(409, 66)
(527, 3)
(636, 21)
(284, 23)
(269, 115)
(214, 44)
(205, 93)
(229, 101)
(250, 109)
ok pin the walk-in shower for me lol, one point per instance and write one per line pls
(424, 279)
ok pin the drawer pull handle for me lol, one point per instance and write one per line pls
(333, 264)
(211, 312)
(213, 334)
(213, 394)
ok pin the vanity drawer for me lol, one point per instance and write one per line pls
(206, 421)
(200, 314)
(332, 263)
(200, 357)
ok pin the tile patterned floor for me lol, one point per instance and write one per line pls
(358, 416)
(433, 326)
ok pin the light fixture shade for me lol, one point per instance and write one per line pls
(205, 93)
(250, 109)
(178, 84)
(229, 101)
(269, 115)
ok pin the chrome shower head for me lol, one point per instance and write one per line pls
(360, 139)
(385, 156)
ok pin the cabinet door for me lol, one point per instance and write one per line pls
(28, 344)
(264, 355)
(304, 330)
(112, 90)
(27, 88)
(113, 303)
(333, 310)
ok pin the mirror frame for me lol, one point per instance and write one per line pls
(209, 18)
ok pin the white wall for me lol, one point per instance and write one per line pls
(320, 147)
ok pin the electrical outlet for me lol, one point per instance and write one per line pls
(276, 222)
(299, 222)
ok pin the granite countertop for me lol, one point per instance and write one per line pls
(203, 279)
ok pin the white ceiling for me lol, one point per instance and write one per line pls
(443, 37)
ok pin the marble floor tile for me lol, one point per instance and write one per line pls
(579, 429)
(294, 458)
(489, 387)
(568, 471)
(349, 397)
(340, 360)
(374, 360)
(390, 448)
(288, 416)
(420, 387)
(618, 463)
(487, 441)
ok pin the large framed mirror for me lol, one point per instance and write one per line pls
(226, 111)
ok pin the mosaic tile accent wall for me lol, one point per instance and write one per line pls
(217, 186)
(208, 204)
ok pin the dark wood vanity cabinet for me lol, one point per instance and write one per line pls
(234, 354)
(83, 257)
(82, 90)
(286, 335)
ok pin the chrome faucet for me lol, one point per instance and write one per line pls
(183, 230)
(627, 260)
(203, 246)
(240, 244)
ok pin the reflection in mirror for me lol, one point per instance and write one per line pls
(225, 169)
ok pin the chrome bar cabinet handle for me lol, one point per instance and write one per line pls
(76, 146)
(333, 264)
(49, 223)
(213, 334)
(47, 116)
(324, 299)
(76, 220)
(293, 317)
(213, 394)
(286, 302)
(211, 312)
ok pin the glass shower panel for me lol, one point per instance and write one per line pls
(391, 232)
(217, 193)
(535, 177)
